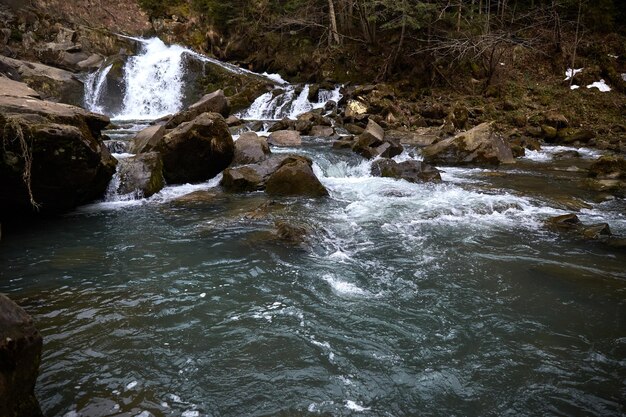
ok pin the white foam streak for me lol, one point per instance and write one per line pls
(167, 194)
(547, 153)
(94, 84)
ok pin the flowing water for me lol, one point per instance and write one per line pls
(399, 300)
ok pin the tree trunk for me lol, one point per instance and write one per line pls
(334, 35)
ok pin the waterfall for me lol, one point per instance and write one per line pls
(272, 106)
(153, 81)
(94, 86)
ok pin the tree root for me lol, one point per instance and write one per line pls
(13, 125)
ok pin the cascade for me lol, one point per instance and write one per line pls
(153, 81)
(94, 86)
(270, 106)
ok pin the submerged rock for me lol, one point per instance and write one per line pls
(250, 149)
(571, 224)
(412, 171)
(20, 353)
(196, 150)
(480, 145)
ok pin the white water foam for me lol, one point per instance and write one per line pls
(167, 194)
(286, 104)
(400, 202)
(351, 405)
(94, 84)
(345, 288)
(547, 153)
(153, 81)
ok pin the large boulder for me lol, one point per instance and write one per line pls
(52, 83)
(141, 175)
(480, 145)
(373, 143)
(52, 156)
(214, 102)
(251, 177)
(196, 150)
(147, 139)
(282, 175)
(412, 171)
(250, 149)
(295, 177)
(20, 353)
(285, 138)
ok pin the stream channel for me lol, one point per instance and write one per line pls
(402, 299)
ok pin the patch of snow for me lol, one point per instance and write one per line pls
(574, 87)
(571, 72)
(600, 85)
(613, 56)
(624, 76)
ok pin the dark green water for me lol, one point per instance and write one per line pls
(403, 300)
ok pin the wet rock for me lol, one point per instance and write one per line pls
(608, 167)
(596, 231)
(282, 175)
(565, 221)
(250, 149)
(571, 224)
(480, 145)
(57, 146)
(20, 351)
(200, 197)
(147, 139)
(214, 102)
(412, 171)
(285, 138)
(571, 135)
(322, 131)
(566, 155)
(141, 174)
(292, 233)
(372, 143)
(92, 63)
(197, 150)
(251, 177)
(284, 124)
(295, 177)
(232, 121)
